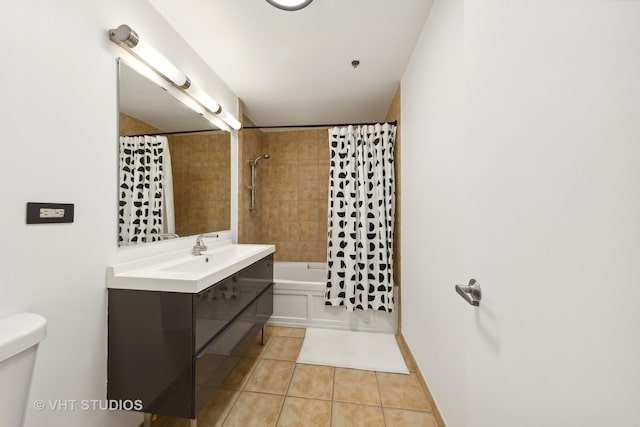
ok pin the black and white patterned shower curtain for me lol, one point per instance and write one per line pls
(361, 213)
(141, 182)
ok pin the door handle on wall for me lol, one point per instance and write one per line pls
(472, 293)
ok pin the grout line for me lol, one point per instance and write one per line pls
(286, 393)
(384, 421)
(333, 392)
(233, 404)
(253, 368)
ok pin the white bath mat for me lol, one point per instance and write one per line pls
(349, 349)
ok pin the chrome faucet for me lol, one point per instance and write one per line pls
(200, 246)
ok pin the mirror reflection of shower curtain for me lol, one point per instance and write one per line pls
(144, 163)
(361, 214)
(168, 210)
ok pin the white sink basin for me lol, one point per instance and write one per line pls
(190, 265)
(212, 259)
(182, 272)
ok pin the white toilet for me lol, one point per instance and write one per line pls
(19, 338)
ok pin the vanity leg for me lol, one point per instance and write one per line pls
(193, 423)
(262, 338)
(148, 419)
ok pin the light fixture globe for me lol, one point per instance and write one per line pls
(290, 5)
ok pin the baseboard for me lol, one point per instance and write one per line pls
(404, 347)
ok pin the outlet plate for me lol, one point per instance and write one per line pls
(49, 213)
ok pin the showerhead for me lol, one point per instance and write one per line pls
(255, 161)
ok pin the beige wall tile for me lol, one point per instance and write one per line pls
(323, 144)
(308, 190)
(308, 210)
(308, 147)
(291, 187)
(288, 230)
(308, 169)
(288, 211)
(308, 230)
(323, 171)
(132, 126)
(288, 191)
(287, 251)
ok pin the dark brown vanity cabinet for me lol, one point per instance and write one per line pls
(171, 350)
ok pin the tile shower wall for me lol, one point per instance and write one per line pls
(201, 182)
(131, 126)
(251, 145)
(294, 205)
(291, 205)
(292, 191)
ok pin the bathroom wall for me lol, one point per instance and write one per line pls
(519, 168)
(432, 235)
(63, 69)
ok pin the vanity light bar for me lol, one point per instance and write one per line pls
(125, 37)
(230, 120)
(205, 100)
(217, 122)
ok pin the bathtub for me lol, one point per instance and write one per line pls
(298, 301)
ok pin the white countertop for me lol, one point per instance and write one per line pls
(180, 271)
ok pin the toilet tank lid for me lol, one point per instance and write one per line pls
(19, 332)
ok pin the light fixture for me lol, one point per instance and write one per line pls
(230, 120)
(290, 5)
(153, 61)
(128, 39)
(205, 100)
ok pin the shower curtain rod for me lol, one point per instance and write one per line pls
(330, 125)
(184, 132)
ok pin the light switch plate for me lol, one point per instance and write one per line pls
(49, 213)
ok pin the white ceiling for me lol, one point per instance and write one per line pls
(294, 68)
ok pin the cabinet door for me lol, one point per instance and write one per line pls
(150, 350)
(219, 304)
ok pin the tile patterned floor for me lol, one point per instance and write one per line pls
(268, 388)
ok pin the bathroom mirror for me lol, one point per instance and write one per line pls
(197, 178)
